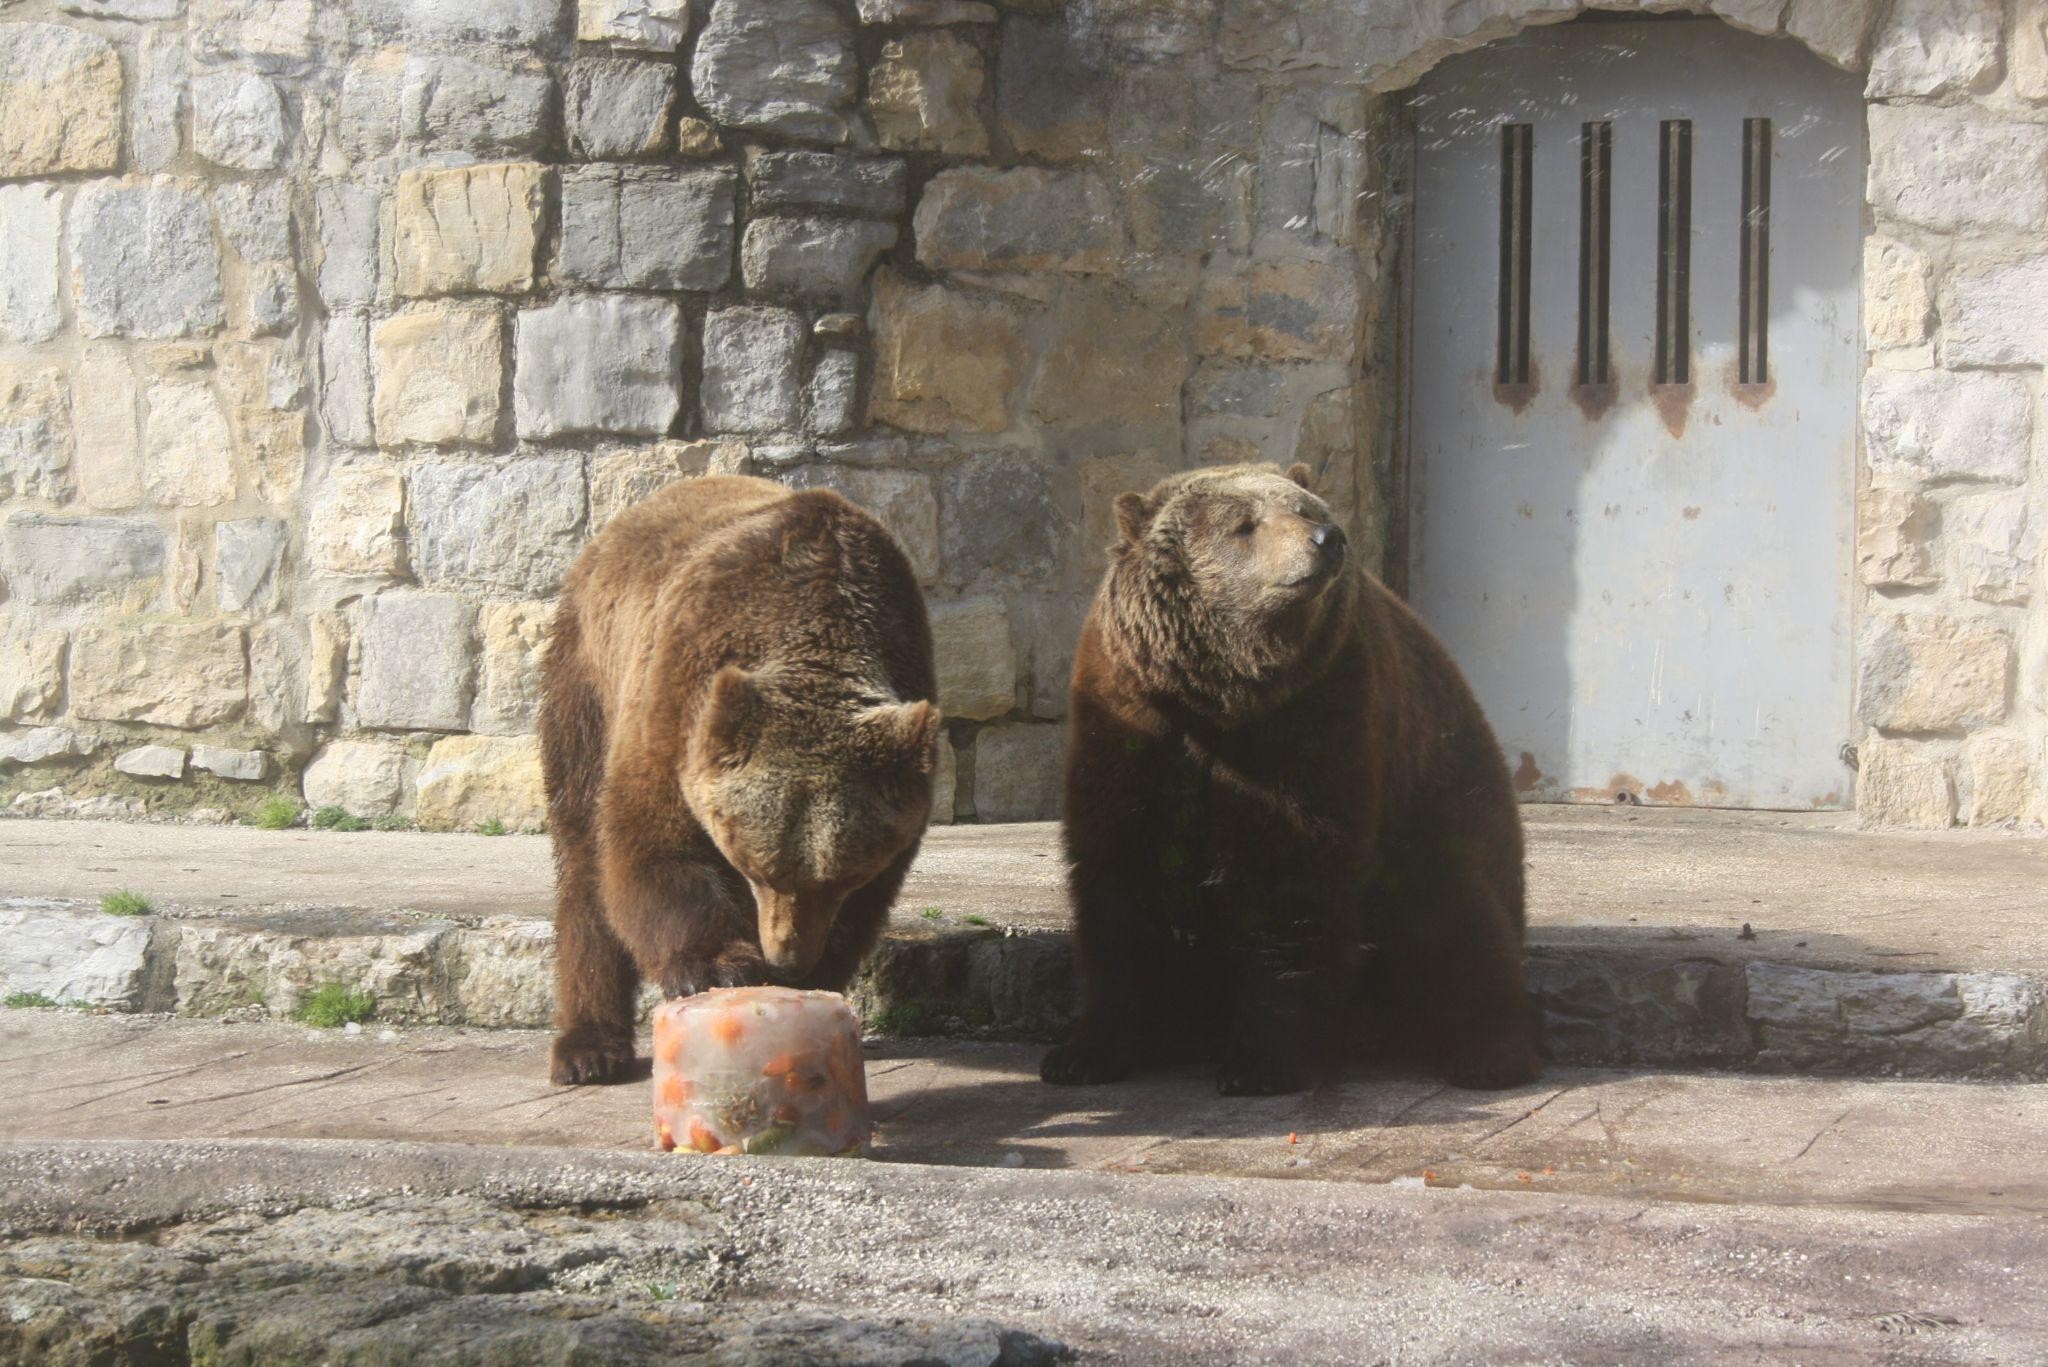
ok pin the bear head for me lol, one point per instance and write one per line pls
(809, 793)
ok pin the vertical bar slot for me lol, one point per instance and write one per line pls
(1511, 360)
(1754, 306)
(1596, 217)
(1674, 252)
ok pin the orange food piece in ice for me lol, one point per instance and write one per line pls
(727, 1028)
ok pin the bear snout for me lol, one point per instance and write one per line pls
(793, 929)
(1328, 539)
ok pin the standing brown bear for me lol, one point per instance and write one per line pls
(738, 738)
(1285, 815)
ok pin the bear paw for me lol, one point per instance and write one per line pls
(1082, 1063)
(583, 1057)
(1508, 1059)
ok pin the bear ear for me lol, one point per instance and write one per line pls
(1134, 513)
(1301, 475)
(731, 720)
(907, 730)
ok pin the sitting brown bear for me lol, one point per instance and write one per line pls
(1285, 815)
(738, 739)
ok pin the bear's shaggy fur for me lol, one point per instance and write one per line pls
(1287, 820)
(738, 736)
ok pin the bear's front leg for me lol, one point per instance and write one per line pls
(1285, 962)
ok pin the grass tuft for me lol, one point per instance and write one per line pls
(126, 903)
(932, 914)
(492, 827)
(333, 1005)
(277, 814)
(327, 818)
(18, 1001)
(392, 822)
(900, 1018)
(975, 918)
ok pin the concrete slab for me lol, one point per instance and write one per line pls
(1898, 1145)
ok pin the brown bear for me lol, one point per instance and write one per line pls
(738, 737)
(1287, 821)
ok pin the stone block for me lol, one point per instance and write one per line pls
(1281, 311)
(945, 783)
(513, 639)
(2001, 777)
(41, 744)
(248, 554)
(998, 521)
(238, 120)
(188, 453)
(1940, 424)
(1920, 672)
(349, 216)
(36, 440)
(513, 23)
(30, 219)
(1952, 169)
(1994, 547)
(647, 228)
(156, 110)
(152, 761)
(439, 370)
(944, 360)
(418, 662)
(467, 229)
(60, 101)
(926, 94)
(271, 304)
(356, 522)
(280, 666)
(1898, 783)
(871, 187)
(61, 559)
(183, 674)
(31, 669)
(660, 25)
(976, 658)
(1053, 85)
(620, 478)
(282, 30)
(1895, 532)
(833, 394)
(1834, 29)
(619, 108)
(144, 261)
(469, 780)
(399, 101)
(243, 766)
(605, 363)
(1024, 219)
(901, 500)
(2026, 58)
(327, 640)
(1017, 772)
(753, 369)
(1895, 298)
(823, 259)
(510, 526)
(74, 954)
(1102, 479)
(778, 66)
(345, 372)
(1932, 47)
(1993, 314)
(1112, 359)
(255, 219)
(932, 13)
(367, 778)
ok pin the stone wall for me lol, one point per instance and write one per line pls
(329, 332)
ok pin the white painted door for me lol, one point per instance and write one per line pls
(1634, 349)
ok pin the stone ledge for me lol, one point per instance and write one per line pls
(1611, 1003)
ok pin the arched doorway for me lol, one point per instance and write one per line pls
(1634, 355)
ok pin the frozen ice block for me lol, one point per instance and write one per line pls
(760, 1070)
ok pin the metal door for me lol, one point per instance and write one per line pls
(1634, 356)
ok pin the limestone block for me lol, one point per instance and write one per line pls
(41, 744)
(1951, 169)
(605, 363)
(647, 228)
(697, 139)
(238, 120)
(60, 100)
(468, 780)
(999, 519)
(271, 305)
(976, 658)
(1996, 314)
(156, 111)
(620, 478)
(1947, 424)
(349, 216)
(901, 500)
(367, 778)
(753, 369)
(780, 66)
(872, 187)
(152, 761)
(928, 12)
(1931, 47)
(1834, 29)
(508, 673)
(1898, 783)
(1112, 358)
(2026, 60)
(1102, 479)
(244, 766)
(280, 661)
(138, 11)
(832, 396)
(248, 553)
(1281, 311)
(1895, 298)
(280, 29)
(36, 440)
(346, 388)
(188, 456)
(944, 360)
(31, 668)
(619, 108)
(1053, 85)
(2001, 777)
(438, 371)
(825, 259)
(401, 101)
(659, 25)
(1994, 547)
(926, 93)
(1017, 770)
(144, 261)
(326, 666)
(514, 23)
(417, 662)
(71, 954)
(29, 271)
(183, 674)
(1922, 672)
(511, 526)
(1895, 531)
(467, 229)
(356, 522)
(61, 559)
(1024, 219)
(945, 783)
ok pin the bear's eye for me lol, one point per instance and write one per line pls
(1246, 527)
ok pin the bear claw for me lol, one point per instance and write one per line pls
(581, 1061)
